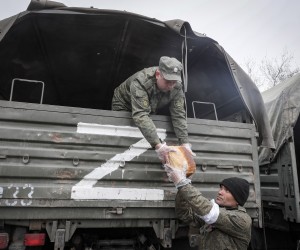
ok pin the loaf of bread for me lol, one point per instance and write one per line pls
(182, 157)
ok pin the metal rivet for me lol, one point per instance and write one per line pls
(240, 168)
(26, 159)
(75, 161)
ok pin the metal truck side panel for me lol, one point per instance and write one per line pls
(53, 166)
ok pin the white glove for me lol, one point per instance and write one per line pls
(188, 146)
(177, 176)
(163, 152)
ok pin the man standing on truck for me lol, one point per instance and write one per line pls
(148, 90)
(223, 223)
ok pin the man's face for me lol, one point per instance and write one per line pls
(225, 198)
(163, 84)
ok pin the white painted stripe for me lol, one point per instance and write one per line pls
(114, 163)
(104, 193)
(85, 190)
(100, 129)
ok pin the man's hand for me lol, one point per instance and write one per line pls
(162, 151)
(188, 146)
(177, 176)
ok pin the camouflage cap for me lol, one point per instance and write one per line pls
(170, 68)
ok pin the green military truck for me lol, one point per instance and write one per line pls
(73, 173)
(279, 169)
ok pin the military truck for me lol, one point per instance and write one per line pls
(279, 169)
(74, 173)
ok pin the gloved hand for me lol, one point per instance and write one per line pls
(163, 152)
(188, 146)
(177, 176)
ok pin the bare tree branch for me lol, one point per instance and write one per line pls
(272, 71)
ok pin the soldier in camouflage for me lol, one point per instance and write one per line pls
(214, 224)
(148, 90)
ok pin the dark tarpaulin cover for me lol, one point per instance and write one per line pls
(245, 86)
(253, 100)
(283, 106)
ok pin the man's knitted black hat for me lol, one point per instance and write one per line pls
(238, 187)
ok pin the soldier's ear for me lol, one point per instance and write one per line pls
(157, 74)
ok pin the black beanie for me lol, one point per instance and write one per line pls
(238, 187)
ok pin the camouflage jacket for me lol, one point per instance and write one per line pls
(231, 231)
(140, 95)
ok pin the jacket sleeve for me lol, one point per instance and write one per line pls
(185, 213)
(195, 200)
(140, 113)
(178, 116)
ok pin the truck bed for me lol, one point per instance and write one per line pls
(84, 164)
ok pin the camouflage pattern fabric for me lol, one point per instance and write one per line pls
(140, 95)
(231, 231)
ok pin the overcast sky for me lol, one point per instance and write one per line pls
(249, 29)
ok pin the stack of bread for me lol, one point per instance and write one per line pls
(181, 158)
